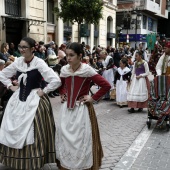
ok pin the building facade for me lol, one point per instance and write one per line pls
(148, 13)
(20, 18)
(164, 24)
(35, 18)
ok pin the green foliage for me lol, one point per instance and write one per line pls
(78, 11)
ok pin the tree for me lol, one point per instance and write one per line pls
(89, 11)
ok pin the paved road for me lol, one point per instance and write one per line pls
(118, 130)
(155, 153)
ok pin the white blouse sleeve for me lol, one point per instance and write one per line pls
(7, 73)
(49, 76)
(133, 57)
(146, 70)
(159, 65)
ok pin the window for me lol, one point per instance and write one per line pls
(68, 24)
(168, 5)
(157, 1)
(152, 25)
(68, 27)
(109, 24)
(50, 9)
(13, 7)
(144, 21)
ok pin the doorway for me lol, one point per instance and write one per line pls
(14, 31)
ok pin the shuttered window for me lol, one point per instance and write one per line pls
(13, 7)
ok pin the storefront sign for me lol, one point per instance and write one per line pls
(133, 37)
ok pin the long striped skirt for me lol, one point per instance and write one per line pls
(33, 157)
(97, 147)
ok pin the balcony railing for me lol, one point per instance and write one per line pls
(13, 7)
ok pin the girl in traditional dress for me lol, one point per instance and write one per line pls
(122, 78)
(78, 143)
(27, 129)
(138, 94)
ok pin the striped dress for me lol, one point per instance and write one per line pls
(21, 112)
(33, 157)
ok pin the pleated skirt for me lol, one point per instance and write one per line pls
(33, 157)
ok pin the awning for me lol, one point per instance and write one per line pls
(30, 20)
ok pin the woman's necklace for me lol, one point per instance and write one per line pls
(77, 68)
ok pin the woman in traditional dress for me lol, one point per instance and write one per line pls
(122, 79)
(108, 72)
(78, 143)
(27, 129)
(138, 93)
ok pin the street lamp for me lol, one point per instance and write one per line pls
(136, 16)
(119, 33)
(126, 23)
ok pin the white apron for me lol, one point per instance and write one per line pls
(109, 76)
(138, 91)
(121, 86)
(17, 127)
(74, 137)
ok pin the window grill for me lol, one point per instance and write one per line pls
(13, 7)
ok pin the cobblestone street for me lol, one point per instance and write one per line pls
(118, 130)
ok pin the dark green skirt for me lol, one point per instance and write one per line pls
(33, 157)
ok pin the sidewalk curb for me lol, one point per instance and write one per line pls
(132, 153)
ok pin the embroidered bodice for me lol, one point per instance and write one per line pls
(140, 69)
(75, 85)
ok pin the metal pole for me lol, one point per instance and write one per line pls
(136, 33)
(127, 37)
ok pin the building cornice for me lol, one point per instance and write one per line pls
(131, 9)
(110, 5)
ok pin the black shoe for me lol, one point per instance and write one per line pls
(132, 110)
(140, 110)
(51, 95)
(55, 94)
(106, 98)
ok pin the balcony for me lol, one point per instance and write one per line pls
(13, 7)
(125, 1)
(153, 7)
